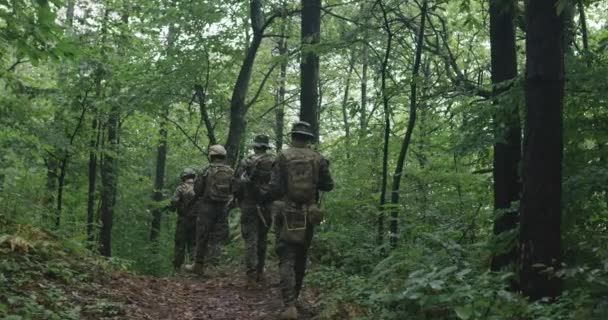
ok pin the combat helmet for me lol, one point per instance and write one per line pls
(303, 128)
(261, 141)
(188, 172)
(217, 150)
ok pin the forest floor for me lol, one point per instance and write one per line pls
(44, 277)
(221, 296)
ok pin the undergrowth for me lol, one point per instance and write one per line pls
(435, 278)
(45, 277)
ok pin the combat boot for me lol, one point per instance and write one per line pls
(251, 284)
(290, 313)
(199, 269)
(261, 277)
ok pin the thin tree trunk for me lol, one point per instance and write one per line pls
(507, 148)
(60, 184)
(345, 115)
(109, 167)
(95, 139)
(309, 64)
(108, 181)
(51, 181)
(159, 179)
(238, 108)
(161, 151)
(200, 94)
(280, 100)
(387, 125)
(583, 20)
(363, 112)
(64, 163)
(540, 227)
(408, 132)
(92, 177)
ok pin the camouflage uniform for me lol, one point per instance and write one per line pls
(211, 214)
(185, 229)
(255, 213)
(293, 256)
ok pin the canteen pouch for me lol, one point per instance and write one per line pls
(315, 215)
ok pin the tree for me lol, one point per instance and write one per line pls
(109, 164)
(407, 138)
(540, 226)
(507, 148)
(309, 64)
(238, 103)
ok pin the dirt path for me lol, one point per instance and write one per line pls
(184, 297)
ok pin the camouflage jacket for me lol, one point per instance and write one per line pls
(247, 181)
(278, 178)
(183, 197)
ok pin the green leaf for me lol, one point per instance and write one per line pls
(464, 312)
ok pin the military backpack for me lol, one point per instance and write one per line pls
(261, 170)
(302, 176)
(218, 182)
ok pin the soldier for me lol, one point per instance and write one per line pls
(213, 190)
(251, 179)
(298, 174)
(185, 229)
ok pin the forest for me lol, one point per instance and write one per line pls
(467, 140)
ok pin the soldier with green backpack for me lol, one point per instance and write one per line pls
(298, 174)
(251, 181)
(213, 190)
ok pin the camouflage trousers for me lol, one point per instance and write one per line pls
(185, 239)
(255, 223)
(211, 231)
(292, 263)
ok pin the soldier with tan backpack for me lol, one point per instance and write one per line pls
(298, 174)
(213, 192)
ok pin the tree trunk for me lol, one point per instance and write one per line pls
(387, 125)
(507, 148)
(309, 65)
(108, 181)
(200, 94)
(540, 227)
(51, 182)
(159, 179)
(92, 177)
(60, 184)
(583, 20)
(96, 139)
(408, 132)
(238, 108)
(363, 112)
(161, 151)
(345, 115)
(280, 98)
(109, 166)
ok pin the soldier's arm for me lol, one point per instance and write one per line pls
(199, 184)
(176, 197)
(326, 183)
(276, 187)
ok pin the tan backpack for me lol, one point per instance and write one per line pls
(302, 176)
(218, 182)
